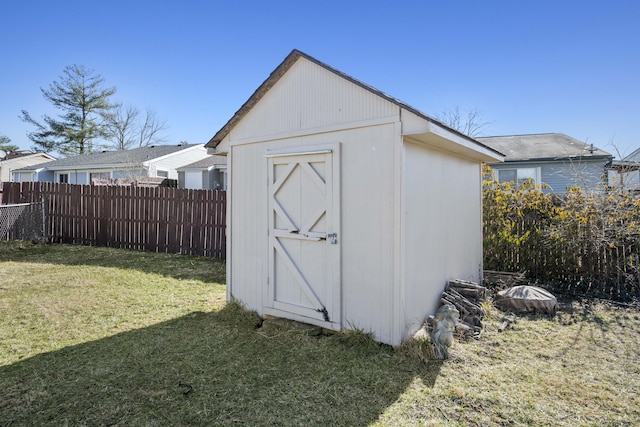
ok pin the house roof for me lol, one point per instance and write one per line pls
(285, 66)
(542, 146)
(206, 163)
(13, 155)
(134, 157)
(633, 157)
(628, 163)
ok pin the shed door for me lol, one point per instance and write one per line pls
(304, 243)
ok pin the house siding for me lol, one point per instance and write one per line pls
(559, 175)
(587, 175)
(171, 162)
(7, 166)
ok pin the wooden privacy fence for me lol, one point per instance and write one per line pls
(156, 219)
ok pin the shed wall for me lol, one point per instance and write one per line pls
(367, 235)
(443, 228)
(307, 98)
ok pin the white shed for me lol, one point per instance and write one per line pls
(347, 208)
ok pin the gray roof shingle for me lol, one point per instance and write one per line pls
(542, 146)
(206, 163)
(120, 157)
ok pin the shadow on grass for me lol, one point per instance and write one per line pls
(209, 369)
(171, 265)
(592, 325)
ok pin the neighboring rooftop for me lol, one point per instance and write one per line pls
(135, 156)
(10, 155)
(542, 146)
(206, 163)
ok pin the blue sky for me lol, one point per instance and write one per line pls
(527, 66)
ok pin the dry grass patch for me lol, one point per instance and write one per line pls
(93, 336)
(577, 369)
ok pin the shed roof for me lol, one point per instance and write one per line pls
(135, 156)
(542, 146)
(285, 66)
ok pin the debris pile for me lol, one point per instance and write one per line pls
(498, 280)
(466, 297)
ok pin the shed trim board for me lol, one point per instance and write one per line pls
(316, 131)
(399, 227)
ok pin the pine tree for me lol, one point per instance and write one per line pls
(84, 103)
(4, 144)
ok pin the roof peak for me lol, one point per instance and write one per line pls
(284, 67)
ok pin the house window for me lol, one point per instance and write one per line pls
(23, 176)
(99, 175)
(162, 174)
(518, 175)
(63, 178)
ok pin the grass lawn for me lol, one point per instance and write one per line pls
(96, 336)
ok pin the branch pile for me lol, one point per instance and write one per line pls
(466, 297)
(499, 280)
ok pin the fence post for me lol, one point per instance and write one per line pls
(44, 220)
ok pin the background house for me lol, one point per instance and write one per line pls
(10, 161)
(159, 161)
(625, 173)
(554, 159)
(209, 173)
(369, 206)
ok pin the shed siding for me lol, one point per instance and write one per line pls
(443, 238)
(247, 264)
(367, 224)
(368, 230)
(330, 100)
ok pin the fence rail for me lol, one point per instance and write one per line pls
(157, 219)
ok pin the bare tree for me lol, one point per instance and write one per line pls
(122, 127)
(469, 122)
(128, 130)
(150, 130)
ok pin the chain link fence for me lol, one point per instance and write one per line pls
(23, 221)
